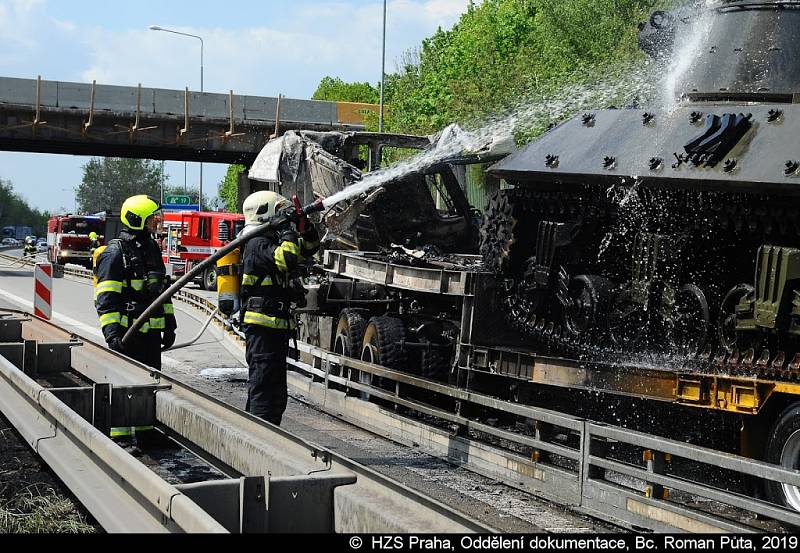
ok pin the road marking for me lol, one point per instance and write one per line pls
(83, 328)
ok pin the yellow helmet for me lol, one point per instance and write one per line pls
(136, 210)
(260, 206)
(93, 235)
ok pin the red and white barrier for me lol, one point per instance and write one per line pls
(43, 290)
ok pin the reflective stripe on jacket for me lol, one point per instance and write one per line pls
(267, 263)
(125, 272)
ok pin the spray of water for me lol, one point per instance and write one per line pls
(691, 39)
(630, 85)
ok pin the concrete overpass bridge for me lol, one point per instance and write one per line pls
(152, 123)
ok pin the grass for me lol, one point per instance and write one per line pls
(41, 511)
(30, 502)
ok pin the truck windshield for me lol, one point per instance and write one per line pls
(82, 226)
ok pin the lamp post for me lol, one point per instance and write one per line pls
(157, 28)
(383, 68)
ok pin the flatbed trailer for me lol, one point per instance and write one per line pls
(485, 355)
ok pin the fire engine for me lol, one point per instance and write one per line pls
(68, 238)
(189, 237)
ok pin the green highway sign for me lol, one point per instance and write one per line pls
(178, 199)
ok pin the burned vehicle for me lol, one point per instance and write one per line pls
(425, 206)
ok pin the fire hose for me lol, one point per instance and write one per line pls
(297, 215)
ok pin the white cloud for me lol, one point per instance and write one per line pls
(18, 27)
(324, 39)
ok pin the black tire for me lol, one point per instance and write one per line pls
(435, 364)
(349, 336)
(209, 281)
(783, 448)
(381, 343)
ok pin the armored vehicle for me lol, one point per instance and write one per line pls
(671, 234)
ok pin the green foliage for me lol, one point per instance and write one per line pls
(107, 182)
(229, 189)
(14, 210)
(503, 54)
(335, 89)
(505, 51)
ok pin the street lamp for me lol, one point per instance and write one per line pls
(157, 28)
(383, 68)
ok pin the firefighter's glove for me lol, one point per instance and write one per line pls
(167, 339)
(115, 344)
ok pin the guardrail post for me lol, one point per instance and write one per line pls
(542, 432)
(101, 408)
(596, 448)
(29, 364)
(656, 463)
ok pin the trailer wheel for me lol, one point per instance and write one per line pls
(434, 364)
(381, 347)
(350, 332)
(783, 448)
(381, 342)
(210, 279)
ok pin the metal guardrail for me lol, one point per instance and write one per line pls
(580, 471)
(225, 436)
(584, 475)
(122, 494)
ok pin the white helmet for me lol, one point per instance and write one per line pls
(260, 206)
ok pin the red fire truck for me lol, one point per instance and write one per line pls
(189, 237)
(68, 238)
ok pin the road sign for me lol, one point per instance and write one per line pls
(180, 207)
(178, 199)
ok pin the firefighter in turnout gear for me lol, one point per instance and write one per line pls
(94, 243)
(130, 274)
(270, 287)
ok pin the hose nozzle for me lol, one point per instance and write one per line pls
(301, 213)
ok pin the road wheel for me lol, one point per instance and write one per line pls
(729, 338)
(210, 279)
(588, 299)
(783, 448)
(690, 320)
(350, 334)
(381, 346)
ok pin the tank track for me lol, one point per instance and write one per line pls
(503, 238)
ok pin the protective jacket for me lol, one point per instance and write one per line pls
(130, 275)
(269, 266)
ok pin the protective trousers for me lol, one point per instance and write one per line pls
(266, 360)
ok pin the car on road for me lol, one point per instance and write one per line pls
(41, 246)
(9, 242)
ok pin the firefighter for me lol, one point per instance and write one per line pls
(130, 275)
(30, 247)
(270, 287)
(94, 243)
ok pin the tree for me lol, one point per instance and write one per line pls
(505, 55)
(107, 182)
(335, 89)
(229, 188)
(14, 210)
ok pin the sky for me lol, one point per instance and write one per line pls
(258, 47)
